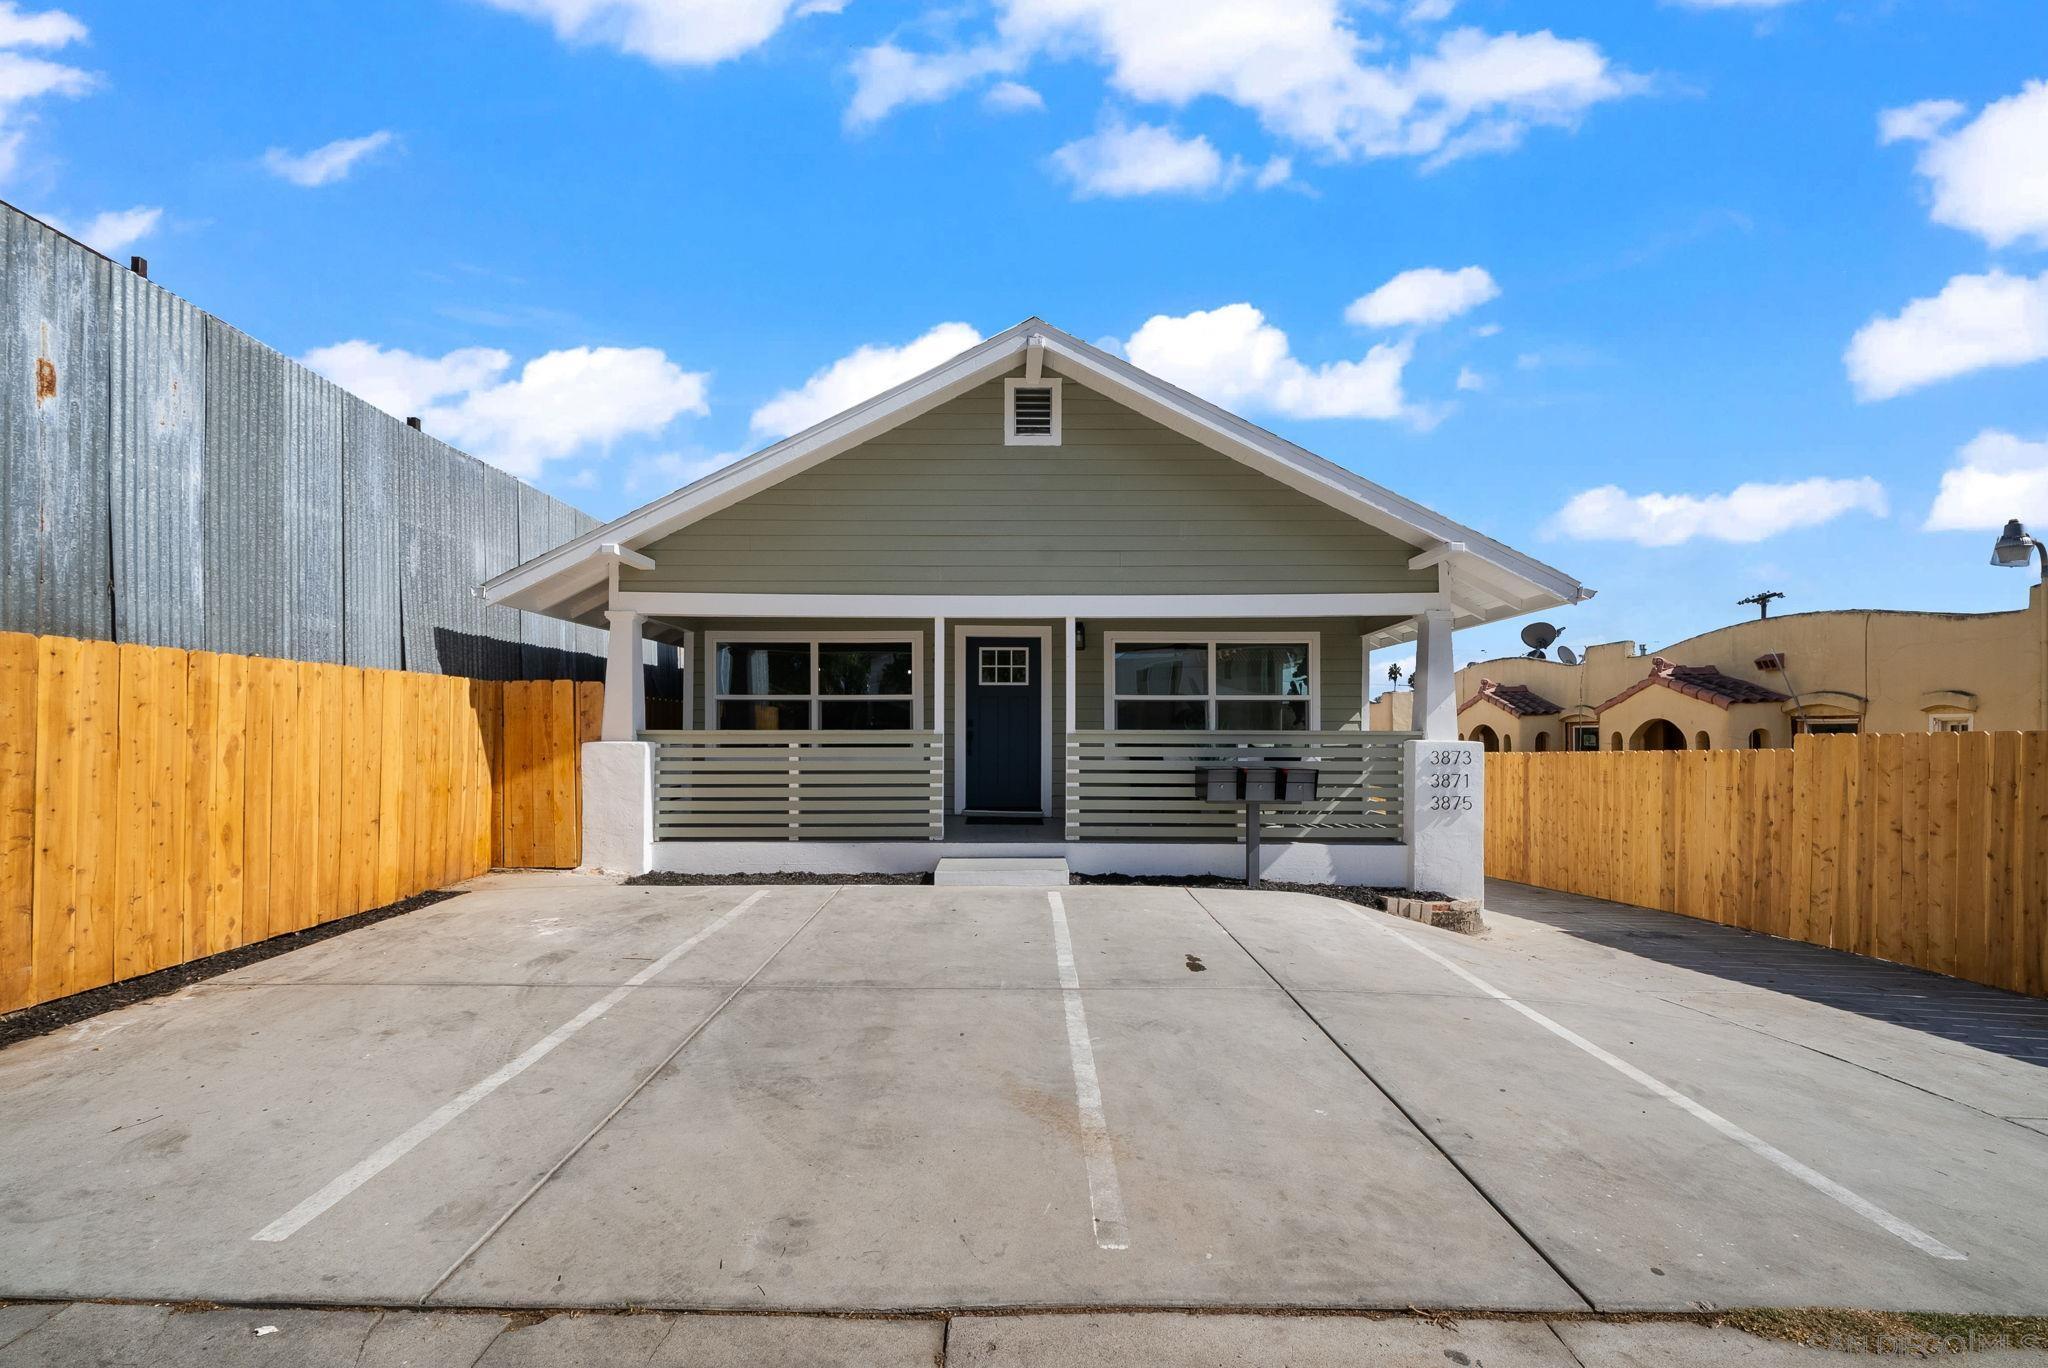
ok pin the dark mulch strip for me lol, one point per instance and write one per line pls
(45, 1017)
(748, 880)
(1364, 897)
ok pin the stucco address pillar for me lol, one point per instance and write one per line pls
(1436, 690)
(625, 678)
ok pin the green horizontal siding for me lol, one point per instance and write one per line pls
(939, 504)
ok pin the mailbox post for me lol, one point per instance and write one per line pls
(1253, 782)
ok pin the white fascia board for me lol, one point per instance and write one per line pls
(1000, 606)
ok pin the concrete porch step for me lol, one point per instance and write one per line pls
(959, 873)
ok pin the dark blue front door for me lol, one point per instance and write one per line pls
(1004, 702)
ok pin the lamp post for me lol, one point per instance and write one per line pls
(2015, 549)
(2013, 552)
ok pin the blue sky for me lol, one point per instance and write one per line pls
(1667, 251)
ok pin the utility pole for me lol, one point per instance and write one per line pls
(1762, 602)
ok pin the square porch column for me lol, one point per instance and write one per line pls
(1436, 689)
(625, 678)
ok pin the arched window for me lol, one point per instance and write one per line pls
(1700, 741)
(1507, 743)
(1616, 743)
(1485, 736)
(1759, 739)
(1542, 741)
(1656, 734)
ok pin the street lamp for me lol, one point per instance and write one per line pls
(2015, 549)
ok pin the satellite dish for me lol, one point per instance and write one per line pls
(1537, 635)
(1567, 655)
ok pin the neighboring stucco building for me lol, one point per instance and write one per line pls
(1760, 683)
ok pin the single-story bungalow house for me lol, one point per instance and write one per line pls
(1009, 608)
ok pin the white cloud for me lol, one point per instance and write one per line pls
(1733, 4)
(559, 404)
(668, 32)
(45, 29)
(1234, 357)
(1989, 177)
(861, 374)
(1010, 97)
(1747, 513)
(1428, 11)
(1996, 476)
(1917, 122)
(403, 383)
(1423, 297)
(328, 163)
(1123, 159)
(668, 470)
(1277, 171)
(1308, 74)
(25, 79)
(116, 230)
(1975, 323)
(1469, 379)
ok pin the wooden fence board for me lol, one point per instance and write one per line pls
(17, 819)
(1927, 849)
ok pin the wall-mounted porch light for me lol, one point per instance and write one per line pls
(1080, 635)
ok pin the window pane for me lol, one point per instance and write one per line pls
(865, 716)
(743, 714)
(1290, 715)
(1162, 671)
(878, 669)
(1281, 668)
(764, 668)
(1164, 715)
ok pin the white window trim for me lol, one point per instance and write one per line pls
(1934, 720)
(1011, 437)
(1043, 635)
(713, 640)
(1111, 640)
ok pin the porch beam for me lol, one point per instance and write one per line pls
(996, 607)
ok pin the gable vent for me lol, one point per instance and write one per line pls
(1032, 415)
(1031, 412)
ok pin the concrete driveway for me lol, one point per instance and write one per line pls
(558, 1094)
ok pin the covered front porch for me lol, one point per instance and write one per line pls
(843, 736)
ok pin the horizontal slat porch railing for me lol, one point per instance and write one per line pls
(1133, 785)
(798, 785)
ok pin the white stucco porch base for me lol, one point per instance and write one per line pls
(1382, 864)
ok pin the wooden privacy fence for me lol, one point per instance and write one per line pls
(1928, 850)
(159, 805)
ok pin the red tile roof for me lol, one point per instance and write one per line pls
(1698, 681)
(1514, 699)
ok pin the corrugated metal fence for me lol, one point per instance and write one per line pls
(169, 481)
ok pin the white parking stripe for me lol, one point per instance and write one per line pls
(1820, 1182)
(289, 1224)
(1105, 1197)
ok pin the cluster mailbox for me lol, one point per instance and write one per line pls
(1256, 783)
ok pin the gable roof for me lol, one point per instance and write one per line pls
(1515, 699)
(1703, 682)
(1487, 580)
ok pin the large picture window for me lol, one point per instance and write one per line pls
(1248, 683)
(843, 683)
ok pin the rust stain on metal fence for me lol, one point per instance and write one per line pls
(46, 380)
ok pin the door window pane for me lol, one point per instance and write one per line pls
(855, 670)
(1163, 671)
(1289, 714)
(865, 715)
(749, 714)
(1263, 669)
(764, 667)
(1165, 714)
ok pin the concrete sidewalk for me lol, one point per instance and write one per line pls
(159, 1337)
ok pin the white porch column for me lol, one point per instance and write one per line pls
(625, 678)
(1436, 689)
